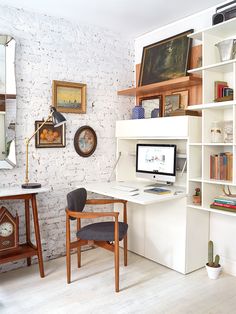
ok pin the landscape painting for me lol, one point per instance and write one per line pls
(165, 60)
(69, 97)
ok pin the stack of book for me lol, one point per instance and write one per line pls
(221, 166)
(224, 203)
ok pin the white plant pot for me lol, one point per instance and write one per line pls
(213, 272)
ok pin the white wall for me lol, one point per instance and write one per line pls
(54, 49)
(222, 228)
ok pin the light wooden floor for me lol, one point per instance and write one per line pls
(146, 287)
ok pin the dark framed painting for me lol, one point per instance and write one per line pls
(166, 59)
(69, 97)
(172, 103)
(152, 103)
(85, 141)
(49, 136)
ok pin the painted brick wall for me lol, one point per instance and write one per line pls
(55, 49)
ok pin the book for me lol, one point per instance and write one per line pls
(224, 201)
(221, 166)
(157, 191)
(224, 205)
(223, 208)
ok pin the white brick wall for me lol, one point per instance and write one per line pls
(54, 49)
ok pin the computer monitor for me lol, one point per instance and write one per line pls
(156, 162)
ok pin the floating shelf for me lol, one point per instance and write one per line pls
(181, 82)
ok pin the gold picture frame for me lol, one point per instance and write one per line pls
(69, 97)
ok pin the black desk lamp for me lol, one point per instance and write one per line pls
(57, 120)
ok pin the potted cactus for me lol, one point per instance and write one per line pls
(197, 197)
(213, 267)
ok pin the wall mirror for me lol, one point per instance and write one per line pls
(7, 102)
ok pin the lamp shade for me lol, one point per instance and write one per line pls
(57, 118)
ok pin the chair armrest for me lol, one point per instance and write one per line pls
(89, 215)
(104, 201)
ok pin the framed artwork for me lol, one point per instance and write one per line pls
(85, 141)
(172, 103)
(166, 59)
(69, 97)
(183, 99)
(49, 136)
(151, 103)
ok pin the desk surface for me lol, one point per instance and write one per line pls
(11, 191)
(107, 189)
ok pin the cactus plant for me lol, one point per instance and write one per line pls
(212, 263)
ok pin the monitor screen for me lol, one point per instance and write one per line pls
(156, 161)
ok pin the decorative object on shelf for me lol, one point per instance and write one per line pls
(9, 230)
(57, 119)
(228, 131)
(171, 104)
(150, 104)
(165, 60)
(216, 132)
(183, 98)
(226, 49)
(85, 141)
(69, 97)
(229, 192)
(223, 92)
(197, 197)
(221, 166)
(213, 267)
(224, 15)
(50, 136)
(138, 112)
(183, 112)
(155, 113)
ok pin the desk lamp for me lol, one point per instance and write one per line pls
(57, 120)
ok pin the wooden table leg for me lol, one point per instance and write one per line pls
(37, 234)
(27, 224)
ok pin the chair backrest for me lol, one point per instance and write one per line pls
(76, 200)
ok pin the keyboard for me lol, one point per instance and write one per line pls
(125, 188)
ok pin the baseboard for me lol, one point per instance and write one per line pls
(229, 266)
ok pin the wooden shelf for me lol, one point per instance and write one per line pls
(181, 82)
(24, 250)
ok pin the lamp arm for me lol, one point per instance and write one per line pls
(27, 141)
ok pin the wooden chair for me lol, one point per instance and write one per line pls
(103, 234)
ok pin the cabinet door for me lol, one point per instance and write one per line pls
(165, 237)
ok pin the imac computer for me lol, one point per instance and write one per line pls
(156, 162)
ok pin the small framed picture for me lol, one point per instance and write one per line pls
(49, 136)
(85, 141)
(152, 106)
(183, 99)
(172, 103)
(69, 97)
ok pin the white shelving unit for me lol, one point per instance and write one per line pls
(213, 70)
(166, 232)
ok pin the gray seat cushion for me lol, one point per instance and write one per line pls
(102, 231)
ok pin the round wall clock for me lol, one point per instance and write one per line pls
(85, 141)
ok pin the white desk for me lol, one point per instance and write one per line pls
(143, 198)
(161, 227)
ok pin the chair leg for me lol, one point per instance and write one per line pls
(125, 251)
(116, 255)
(68, 257)
(79, 247)
(79, 256)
